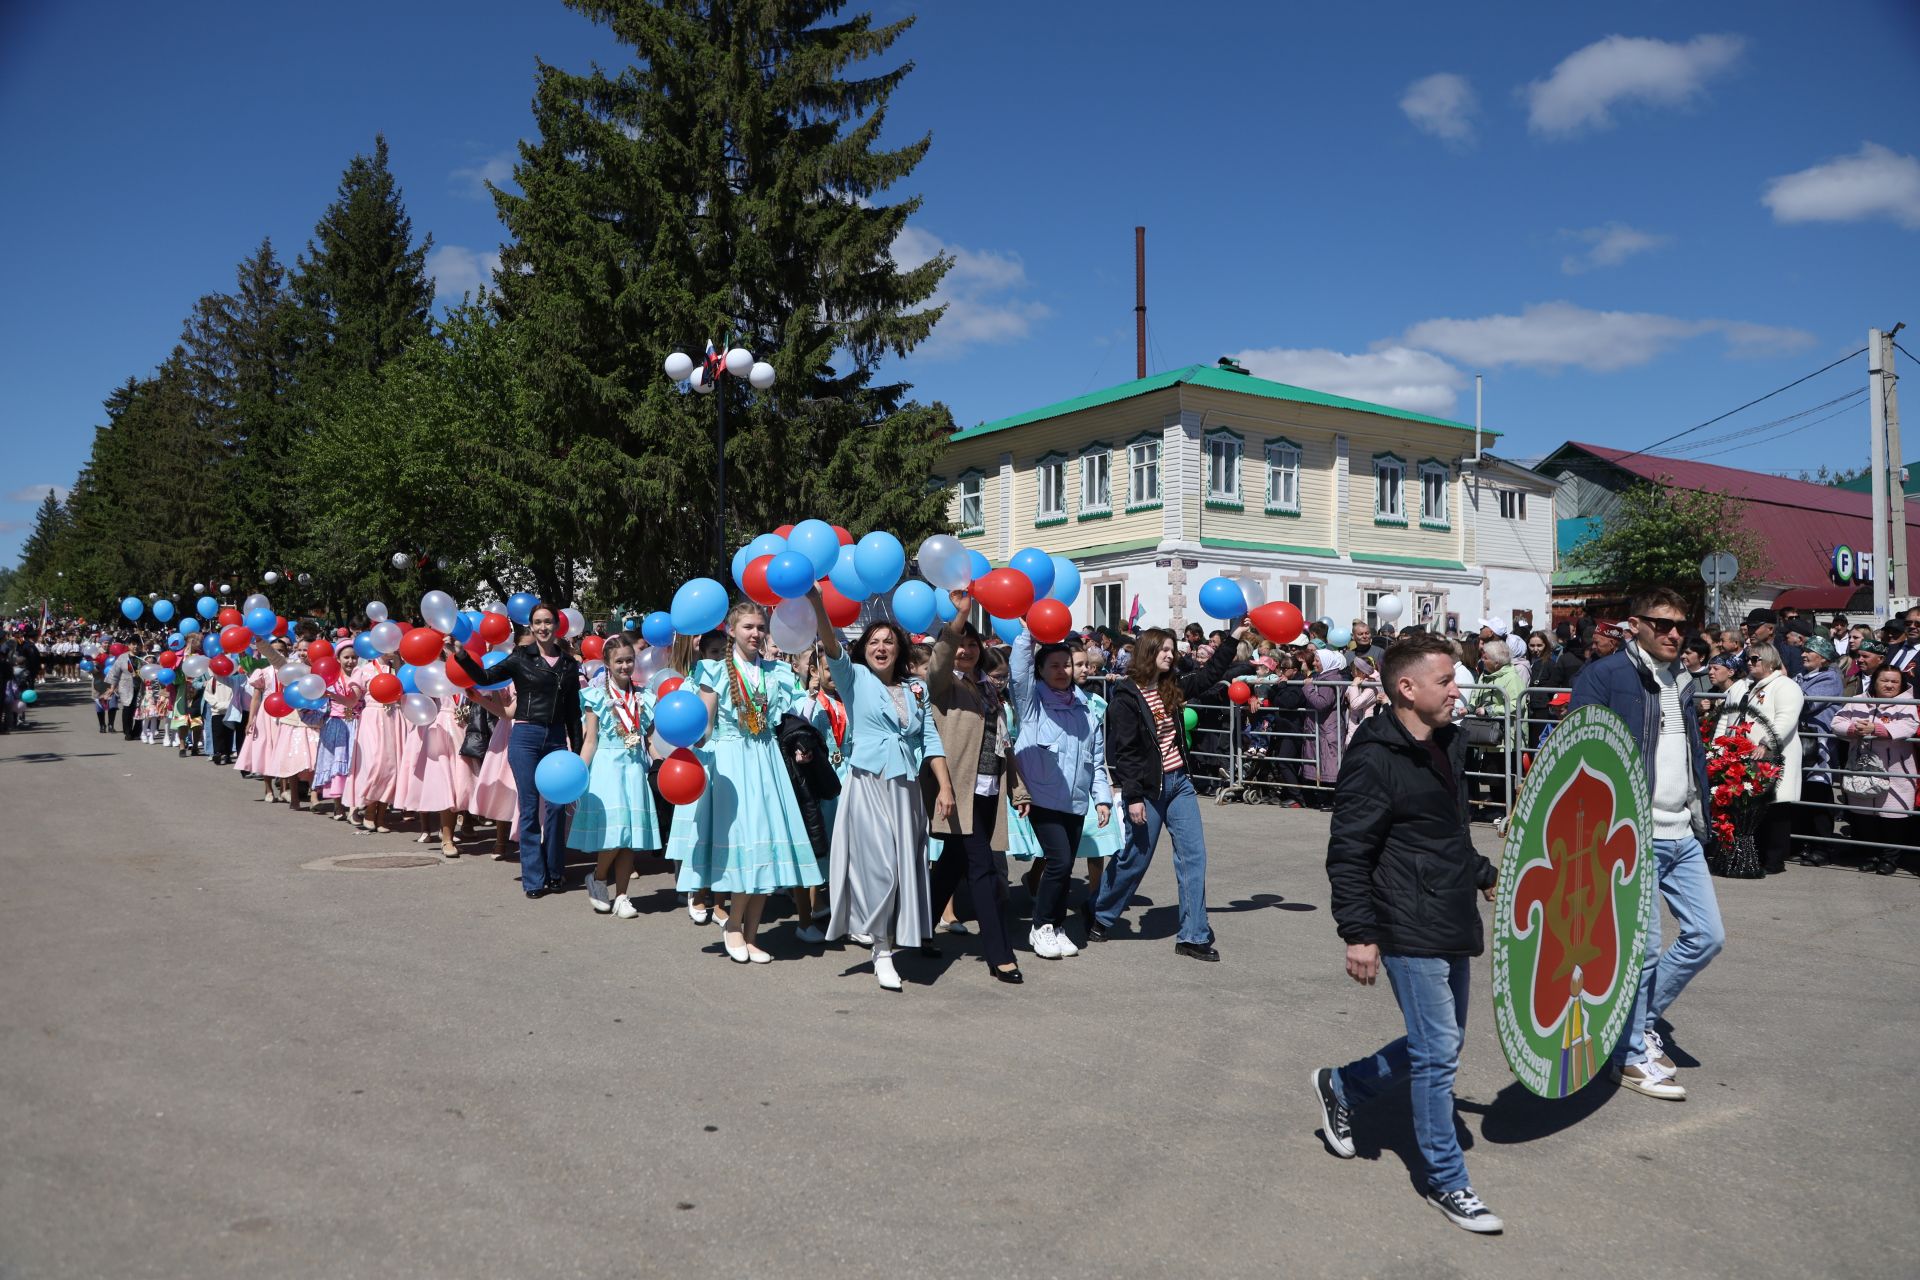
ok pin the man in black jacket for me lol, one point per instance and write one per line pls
(1404, 874)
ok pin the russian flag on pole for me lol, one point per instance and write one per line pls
(1133, 614)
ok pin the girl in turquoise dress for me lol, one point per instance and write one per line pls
(744, 836)
(1097, 843)
(616, 815)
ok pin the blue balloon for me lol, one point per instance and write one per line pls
(493, 659)
(767, 544)
(176, 641)
(260, 620)
(1066, 580)
(943, 606)
(165, 676)
(462, 628)
(86, 664)
(207, 607)
(293, 698)
(880, 559)
(1339, 637)
(520, 607)
(699, 606)
(978, 566)
(363, 645)
(163, 610)
(741, 559)
(816, 540)
(790, 575)
(407, 683)
(1007, 629)
(845, 575)
(680, 718)
(131, 608)
(913, 603)
(560, 777)
(189, 625)
(1038, 566)
(657, 629)
(1222, 598)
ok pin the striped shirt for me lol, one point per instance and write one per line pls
(1164, 730)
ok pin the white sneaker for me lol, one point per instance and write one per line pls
(1044, 941)
(1651, 1079)
(601, 905)
(1657, 1052)
(883, 969)
(1065, 944)
(623, 907)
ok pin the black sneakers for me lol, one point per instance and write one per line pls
(1196, 950)
(1336, 1122)
(1096, 932)
(1464, 1210)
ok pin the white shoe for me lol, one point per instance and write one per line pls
(812, 935)
(1651, 1079)
(1065, 944)
(597, 890)
(860, 939)
(600, 905)
(623, 907)
(739, 955)
(698, 913)
(1044, 941)
(756, 956)
(883, 969)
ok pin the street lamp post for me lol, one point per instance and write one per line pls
(704, 377)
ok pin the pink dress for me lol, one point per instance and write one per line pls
(494, 794)
(295, 749)
(257, 749)
(432, 774)
(376, 748)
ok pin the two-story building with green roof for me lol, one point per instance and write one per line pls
(1156, 485)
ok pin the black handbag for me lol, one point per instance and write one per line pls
(479, 733)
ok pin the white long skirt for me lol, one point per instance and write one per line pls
(877, 872)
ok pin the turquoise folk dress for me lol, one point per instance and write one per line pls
(745, 833)
(617, 810)
(1096, 841)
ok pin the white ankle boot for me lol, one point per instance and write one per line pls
(883, 964)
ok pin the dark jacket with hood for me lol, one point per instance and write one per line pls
(1133, 750)
(1399, 855)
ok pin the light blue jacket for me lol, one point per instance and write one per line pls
(877, 741)
(1061, 746)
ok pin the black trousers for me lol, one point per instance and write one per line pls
(986, 872)
(225, 737)
(1058, 833)
(129, 727)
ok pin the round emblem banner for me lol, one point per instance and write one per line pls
(1576, 891)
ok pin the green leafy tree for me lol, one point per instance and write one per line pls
(1659, 535)
(723, 186)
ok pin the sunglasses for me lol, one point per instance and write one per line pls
(1662, 626)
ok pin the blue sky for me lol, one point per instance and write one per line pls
(1629, 217)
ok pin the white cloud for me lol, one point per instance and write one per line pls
(1443, 105)
(1389, 374)
(1608, 246)
(980, 292)
(1557, 335)
(457, 270)
(1586, 86)
(473, 179)
(38, 492)
(1875, 182)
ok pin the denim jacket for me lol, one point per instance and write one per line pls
(1062, 746)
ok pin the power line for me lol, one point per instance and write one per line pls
(1903, 351)
(1784, 434)
(1858, 393)
(1748, 405)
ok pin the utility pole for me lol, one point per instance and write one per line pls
(1896, 463)
(1877, 463)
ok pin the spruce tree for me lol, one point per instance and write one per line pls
(38, 572)
(723, 187)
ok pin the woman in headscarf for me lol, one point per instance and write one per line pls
(1324, 692)
(1880, 778)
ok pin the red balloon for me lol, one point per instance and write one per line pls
(495, 627)
(421, 646)
(326, 667)
(1241, 692)
(230, 617)
(1050, 621)
(319, 649)
(1279, 621)
(842, 610)
(279, 626)
(754, 582)
(593, 647)
(457, 674)
(220, 664)
(668, 685)
(784, 531)
(403, 624)
(846, 539)
(560, 625)
(1004, 593)
(235, 638)
(385, 688)
(681, 778)
(169, 659)
(277, 705)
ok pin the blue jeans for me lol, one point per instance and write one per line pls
(543, 828)
(1687, 887)
(1432, 991)
(1178, 809)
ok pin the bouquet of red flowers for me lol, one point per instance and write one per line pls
(1743, 768)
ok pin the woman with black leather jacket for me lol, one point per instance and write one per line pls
(546, 718)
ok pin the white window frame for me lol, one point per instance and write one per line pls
(1143, 460)
(1436, 515)
(972, 488)
(1513, 504)
(1389, 489)
(1096, 481)
(1222, 453)
(1305, 596)
(1050, 472)
(1109, 604)
(1283, 465)
(1370, 606)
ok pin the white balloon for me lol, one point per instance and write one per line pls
(576, 623)
(944, 562)
(194, 665)
(658, 676)
(419, 709)
(310, 687)
(739, 362)
(439, 610)
(679, 365)
(1254, 591)
(376, 611)
(793, 627)
(432, 680)
(199, 588)
(385, 637)
(305, 579)
(761, 375)
(226, 588)
(399, 560)
(149, 670)
(292, 672)
(269, 577)
(1388, 609)
(256, 601)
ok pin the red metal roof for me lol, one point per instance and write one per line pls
(1800, 522)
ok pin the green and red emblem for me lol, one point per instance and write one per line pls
(1576, 891)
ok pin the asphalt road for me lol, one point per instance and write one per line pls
(223, 1057)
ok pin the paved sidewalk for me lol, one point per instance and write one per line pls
(219, 1056)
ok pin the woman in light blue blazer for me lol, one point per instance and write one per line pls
(877, 870)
